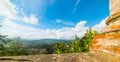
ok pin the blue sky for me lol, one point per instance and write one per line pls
(54, 18)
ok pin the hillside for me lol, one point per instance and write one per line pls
(44, 41)
(71, 57)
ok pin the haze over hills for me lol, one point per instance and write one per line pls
(42, 43)
(45, 40)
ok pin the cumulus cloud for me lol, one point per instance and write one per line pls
(99, 27)
(8, 9)
(13, 29)
(31, 20)
(11, 11)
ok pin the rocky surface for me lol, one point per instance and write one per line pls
(71, 57)
(109, 41)
(114, 6)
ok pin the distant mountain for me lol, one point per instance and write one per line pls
(46, 40)
(43, 42)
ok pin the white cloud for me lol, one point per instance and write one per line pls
(82, 23)
(69, 23)
(58, 21)
(75, 7)
(11, 11)
(13, 29)
(7, 9)
(31, 20)
(99, 27)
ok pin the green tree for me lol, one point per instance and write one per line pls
(15, 47)
(2, 50)
(86, 41)
(75, 46)
(61, 48)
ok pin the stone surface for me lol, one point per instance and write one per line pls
(109, 41)
(70, 57)
(114, 6)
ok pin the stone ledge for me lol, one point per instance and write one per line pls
(113, 17)
(112, 31)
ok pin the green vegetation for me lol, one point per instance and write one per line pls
(86, 41)
(77, 45)
(12, 47)
(61, 48)
(16, 46)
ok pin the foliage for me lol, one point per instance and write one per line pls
(49, 48)
(61, 48)
(1, 50)
(87, 39)
(12, 47)
(77, 45)
(16, 47)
